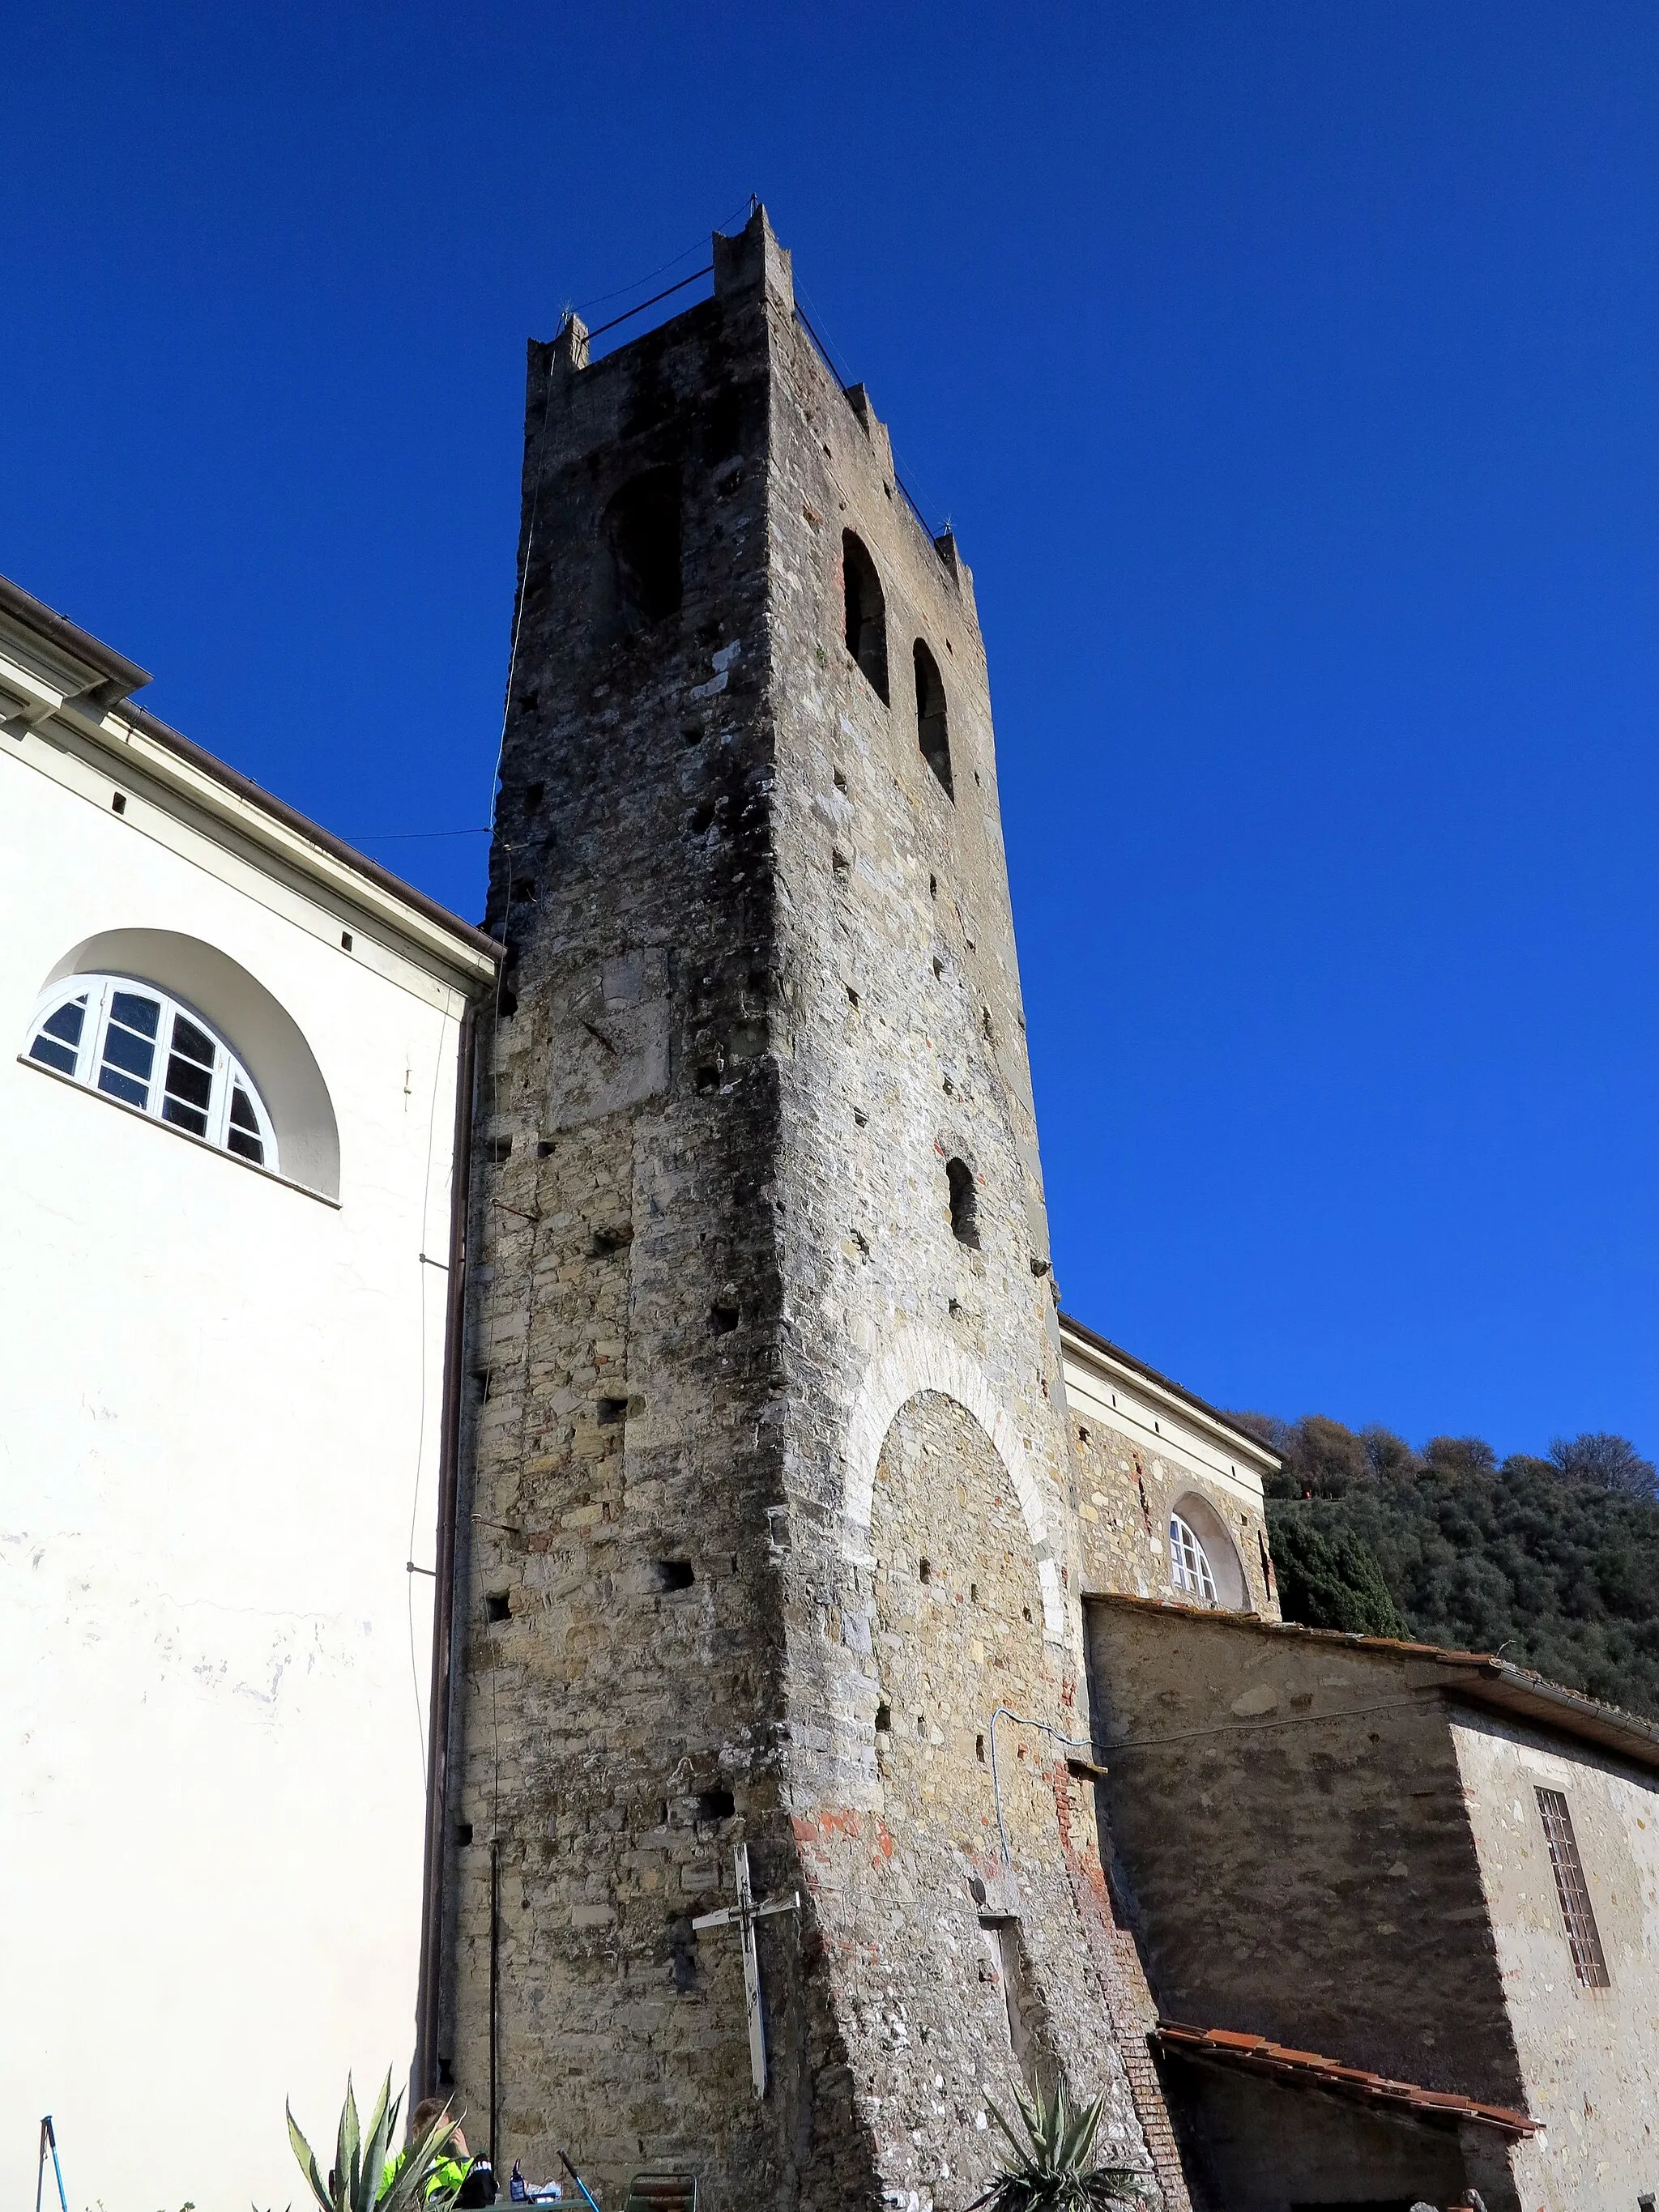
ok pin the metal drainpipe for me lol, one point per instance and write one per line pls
(443, 1596)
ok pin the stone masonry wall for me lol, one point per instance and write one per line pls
(1126, 1494)
(1293, 1848)
(760, 989)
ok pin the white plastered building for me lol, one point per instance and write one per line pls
(229, 1091)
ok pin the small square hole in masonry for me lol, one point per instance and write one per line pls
(462, 1834)
(715, 1805)
(498, 1606)
(883, 1718)
(675, 1574)
(610, 1410)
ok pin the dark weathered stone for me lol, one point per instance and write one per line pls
(760, 994)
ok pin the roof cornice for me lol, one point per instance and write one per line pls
(82, 687)
(1111, 1360)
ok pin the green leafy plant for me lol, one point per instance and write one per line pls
(1052, 2169)
(364, 2179)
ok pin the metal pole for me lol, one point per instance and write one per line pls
(564, 2161)
(428, 2002)
(49, 2142)
(494, 1995)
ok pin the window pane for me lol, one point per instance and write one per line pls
(66, 1023)
(136, 1013)
(251, 1148)
(123, 1049)
(242, 1115)
(188, 1039)
(185, 1116)
(186, 1081)
(1572, 1891)
(60, 1056)
(1189, 1568)
(123, 1086)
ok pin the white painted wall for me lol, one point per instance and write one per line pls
(215, 1394)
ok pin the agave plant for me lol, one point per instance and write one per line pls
(363, 2178)
(1052, 2170)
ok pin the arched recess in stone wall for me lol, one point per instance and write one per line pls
(919, 1359)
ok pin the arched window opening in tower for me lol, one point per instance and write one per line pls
(866, 612)
(639, 581)
(932, 733)
(965, 1202)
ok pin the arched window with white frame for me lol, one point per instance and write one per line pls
(138, 1045)
(1189, 1564)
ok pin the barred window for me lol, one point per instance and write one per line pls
(1573, 1890)
(135, 1044)
(1189, 1565)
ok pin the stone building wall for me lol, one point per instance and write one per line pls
(1142, 1449)
(761, 994)
(1292, 1843)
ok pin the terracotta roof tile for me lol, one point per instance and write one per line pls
(1255, 2054)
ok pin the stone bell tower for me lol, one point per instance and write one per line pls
(765, 1532)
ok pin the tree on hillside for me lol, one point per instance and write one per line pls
(1612, 1461)
(1331, 1581)
(1548, 1561)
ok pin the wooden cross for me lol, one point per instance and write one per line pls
(742, 1916)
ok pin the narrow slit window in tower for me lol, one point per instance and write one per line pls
(866, 612)
(932, 733)
(965, 1202)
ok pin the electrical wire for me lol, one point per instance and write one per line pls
(403, 836)
(749, 204)
(838, 363)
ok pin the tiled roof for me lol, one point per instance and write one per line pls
(1478, 1675)
(1254, 2054)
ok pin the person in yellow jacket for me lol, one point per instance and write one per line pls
(457, 2178)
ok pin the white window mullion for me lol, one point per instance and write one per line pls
(92, 1033)
(224, 1074)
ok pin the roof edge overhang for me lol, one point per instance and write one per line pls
(1109, 1359)
(68, 681)
(1310, 2069)
(112, 672)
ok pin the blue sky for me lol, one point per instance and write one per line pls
(1289, 373)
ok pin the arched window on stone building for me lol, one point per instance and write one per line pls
(931, 732)
(866, 612)
(1204, 1564)
(1189, 1563)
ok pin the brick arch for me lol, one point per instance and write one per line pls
(919, 1359)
